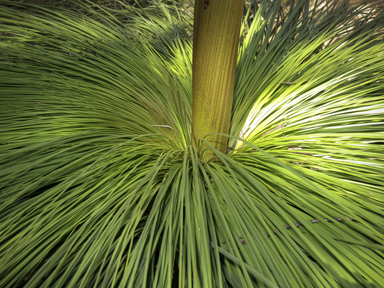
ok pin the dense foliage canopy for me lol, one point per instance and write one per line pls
(99, 183)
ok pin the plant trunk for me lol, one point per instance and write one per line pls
(215, 43)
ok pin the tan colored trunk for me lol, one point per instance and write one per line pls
(215, 45)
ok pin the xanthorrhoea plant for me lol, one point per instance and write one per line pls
(101, 186)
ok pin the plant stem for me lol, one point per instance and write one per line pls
(215, 45)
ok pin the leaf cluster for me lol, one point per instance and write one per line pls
(99, 186)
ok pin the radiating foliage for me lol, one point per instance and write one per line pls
(99, 186)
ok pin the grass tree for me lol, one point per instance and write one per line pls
(131, 158)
